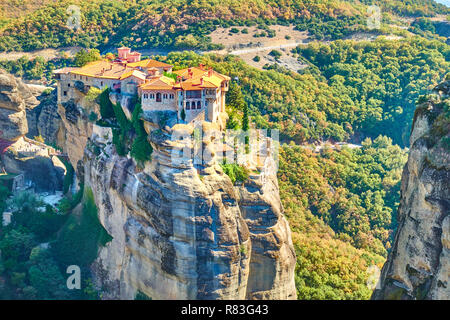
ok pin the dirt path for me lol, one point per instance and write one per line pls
(47, 54)
(255, 50)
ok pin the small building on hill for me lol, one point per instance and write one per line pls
(192, 93)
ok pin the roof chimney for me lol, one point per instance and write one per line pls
(210, 72)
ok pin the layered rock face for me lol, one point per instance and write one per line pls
(180, 232)
(43, 170)
(15, 96)
(23, 156)
(418, 267)
(44, 120)
(74, 133)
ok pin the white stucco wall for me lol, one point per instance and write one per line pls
(149, 104)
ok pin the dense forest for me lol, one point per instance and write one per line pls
(382, 79)
(42, 241)
(351, 90)
(336, 201)
(182, 24)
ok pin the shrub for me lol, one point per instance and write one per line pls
(275, 53)
(106, 107)
(68, 178)
(93, 94)
(92, 116)
(141, 296)
(39, 139)
(141, 150)
(83, 57)
(80, 238)
(235, 172)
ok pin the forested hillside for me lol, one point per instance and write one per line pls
(382, 80)
(351, 89)
(186, 24)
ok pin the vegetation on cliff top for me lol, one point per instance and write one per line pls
(128, 135)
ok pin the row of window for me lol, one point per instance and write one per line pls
(193, 105)
(158, 96)
(86, 79)
(193, 94)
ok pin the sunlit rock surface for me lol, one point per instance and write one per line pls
(180, 232)
(418, 266)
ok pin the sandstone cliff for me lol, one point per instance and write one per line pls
(41, 169)
(418, 266)
(15, 97)
(44, 120)
(180, 232)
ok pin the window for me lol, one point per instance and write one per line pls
(158, 97)
(101, 83)
(65, 93)
(206, 103)
(199, 105)
(165, 96)
(193, 94)
(188, 105)
(68, 85)
(172, 96)
(152, 96)
(145, 96)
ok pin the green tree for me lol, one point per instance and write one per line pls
(83, 57)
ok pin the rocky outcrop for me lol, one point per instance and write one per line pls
(43, 170)
(180, 230)
(18, 155)
(184, 232)
(75, 131)
(418, 266)
(15, 96)
(44, 120)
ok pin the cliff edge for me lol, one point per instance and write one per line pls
(179, 230)
(418, 266)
